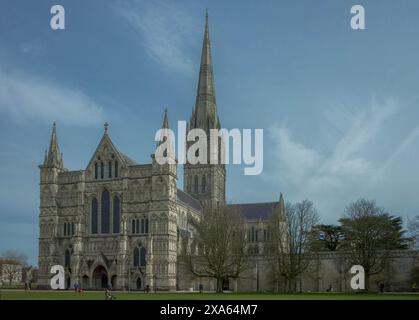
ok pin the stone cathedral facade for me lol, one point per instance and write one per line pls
(122, 224)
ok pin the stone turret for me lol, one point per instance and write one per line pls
(52, 166)
(161, 269)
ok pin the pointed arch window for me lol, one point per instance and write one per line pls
(96, 170)
(105, 212)
(94, 214)
(196, 184)
(116, 169)
(203, 184)
(102, 170)
(142, 257)
(67, 258)
(116, 214)
(136, 257)
(139, 257)
(109, 169)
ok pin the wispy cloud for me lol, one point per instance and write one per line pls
(25, 97)
(402, 147)
(346, 172)
(166, 31)
(33, 47)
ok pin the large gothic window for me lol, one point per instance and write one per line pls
(203, 184)
(196, 184)
(142, 257)
(116, 214)
(94, 216)
(136, 257)
(67, 258)
(139, 257)
(105, 212)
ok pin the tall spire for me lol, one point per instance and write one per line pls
(205, 113)
(54, 157)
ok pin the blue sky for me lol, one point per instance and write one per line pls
(339, 107)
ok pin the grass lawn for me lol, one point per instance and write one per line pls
(96, 295)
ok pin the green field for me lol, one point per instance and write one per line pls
(70, 295)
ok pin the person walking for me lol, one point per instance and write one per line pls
(108, 294)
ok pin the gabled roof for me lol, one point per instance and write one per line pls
(255, 211)
(189, 200)
(122, 157)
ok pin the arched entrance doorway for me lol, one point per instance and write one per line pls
(85, 282)
(100, 278)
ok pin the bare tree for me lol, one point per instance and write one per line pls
(369, 234)
(16, 256)
(291, 239)
(12, 262)
(220, 243)
(11, 270)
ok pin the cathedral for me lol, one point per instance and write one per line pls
(119, 223)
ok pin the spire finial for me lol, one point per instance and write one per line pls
(53, 158)
(165, 120)
(106, 125)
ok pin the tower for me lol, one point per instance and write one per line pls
(206, 181)
(48, 223)
(161, 258)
